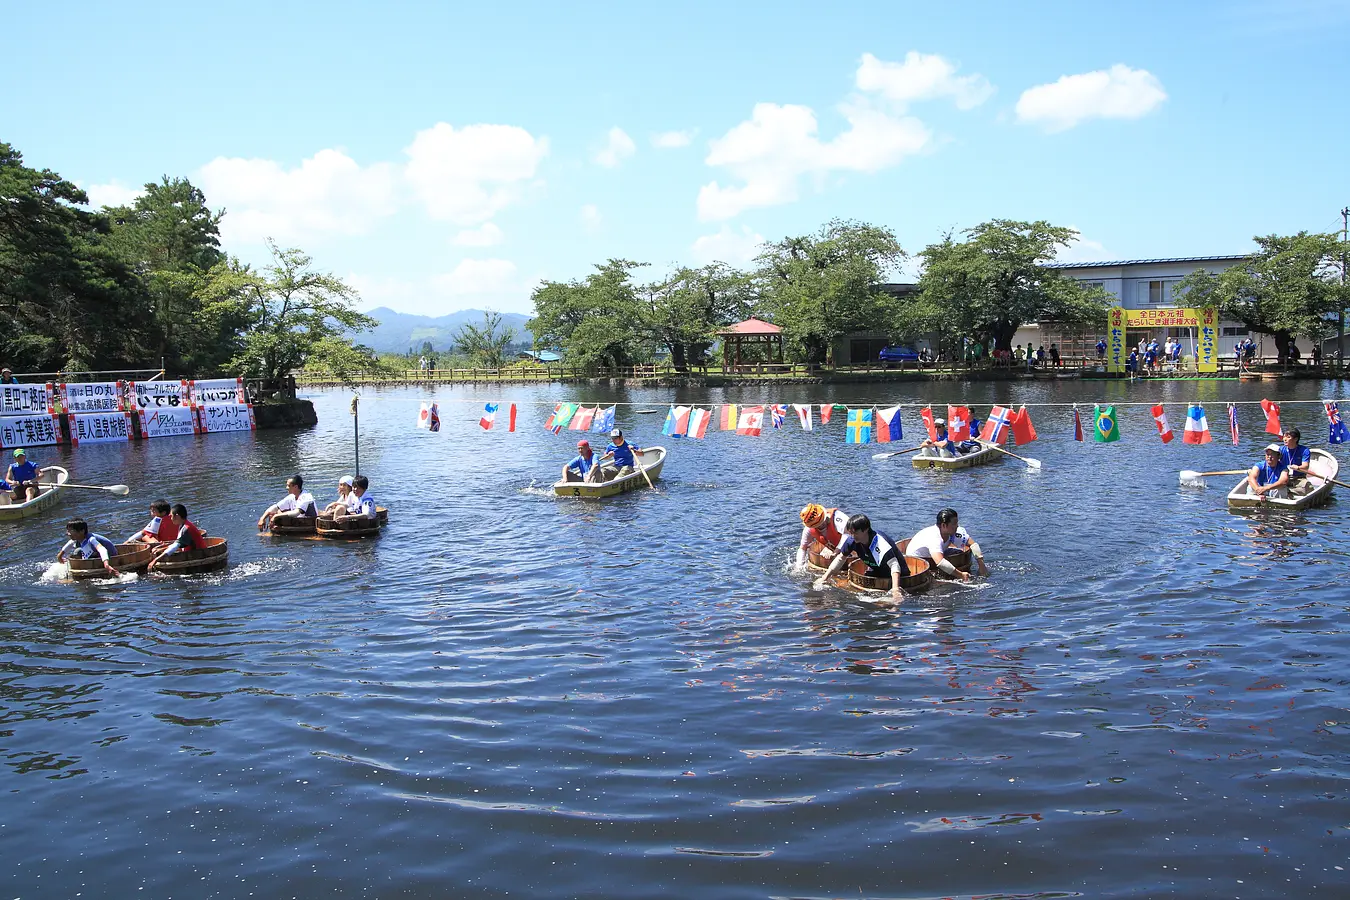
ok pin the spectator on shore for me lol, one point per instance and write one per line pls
(7, 377)
(1101, 348)
(1317, 354)
(1054, 356)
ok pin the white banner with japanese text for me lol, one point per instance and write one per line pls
(29, 431)
(91, 396)
(218, 391)
(167, 422)
(158, 394)
(225, 417)
(99, 428)
(28, 399)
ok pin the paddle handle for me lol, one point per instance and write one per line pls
(637, 461)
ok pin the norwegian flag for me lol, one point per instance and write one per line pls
(1339, 433)
(1272, 411)
(779, 415)
(927, 415)
(1077, 426)
(1197, 426)
(995, 428)
(1160, 419)
(489, 416)
(803, 415)
(958, 423)
(1232, 422)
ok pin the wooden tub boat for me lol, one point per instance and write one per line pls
(816, 558)
(958, 558)
(919, 579)
(987, 453)
(216, 555)
(652, 459)
(1318, 491)
(349, 528)
(128, 558)
(289, 524)
(49, 497)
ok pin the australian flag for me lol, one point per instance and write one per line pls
(1339, 433)
(603, 421)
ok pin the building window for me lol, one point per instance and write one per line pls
(1233, 331)
(1155, 292)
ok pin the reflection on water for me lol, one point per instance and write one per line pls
(640, 698)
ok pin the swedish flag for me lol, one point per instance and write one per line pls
(1105, 429)
(859, 429)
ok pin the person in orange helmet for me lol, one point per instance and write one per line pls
(829, 526)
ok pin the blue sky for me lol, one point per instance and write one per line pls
(442, 157)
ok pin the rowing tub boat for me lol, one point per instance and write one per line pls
(216, 555)
(128, 558)
(958, 558)
(13, 512)
(349, 528)
(987, 454)
(291, 524)
(652, 459)
(1321, 467)
(919, 579)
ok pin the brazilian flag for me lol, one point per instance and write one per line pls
(1105, 428)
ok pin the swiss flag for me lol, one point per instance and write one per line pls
(1164, 430)
(927, 415)
(1272, 411)
(1023, 431)
(958, 423)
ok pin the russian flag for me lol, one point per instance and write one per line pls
(995, 429)
(1197, 426)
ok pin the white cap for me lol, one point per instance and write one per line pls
(345, 479)
(616, 432)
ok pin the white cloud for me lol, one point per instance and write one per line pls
(590, 218)
(329, 193)
(1084, 250)
(468, 175)
(486, 235)
(481, 283)
(733, 248)
(1115, 93)
(114, 193)
(670, 140)
(772, 150)
(618, 147)
(922, 76)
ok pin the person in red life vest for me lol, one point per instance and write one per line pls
(828, 526)
(190, 537)
(160, 529)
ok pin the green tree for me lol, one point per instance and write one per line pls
(487, 344)
(596, 322)
(1289, 286)
(67, 298)
(996, 280)
(685, 310)
(820, 287)
(293, 312)
(172, 240)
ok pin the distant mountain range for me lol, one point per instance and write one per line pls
(399, 332)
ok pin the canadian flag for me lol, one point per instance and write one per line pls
(1164, 430)
(958, 423)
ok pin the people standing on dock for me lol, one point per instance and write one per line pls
(7, 377)
(1101, 348)
(1054, 356)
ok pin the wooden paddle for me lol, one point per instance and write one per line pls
(1325, 478)
(1031, 463)
(897, 453)
(120, 490)
(1197, 479)
(637, 461)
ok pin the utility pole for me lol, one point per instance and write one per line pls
(1340, 313)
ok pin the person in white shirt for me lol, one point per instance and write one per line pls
(84, 545)
(297, 504)
(933, 543)
(364, 504)
(344, 499)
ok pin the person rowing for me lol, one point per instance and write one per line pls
(584, 466)
(23, 477)
(876, 550)
(828, 526)
(160, 529)
(936, 541)
(346, 499)
(189, 537)
(940, 445)
(83, 545)
(621, 456)
(1269, 479)
(1298, 459)
(297, 504)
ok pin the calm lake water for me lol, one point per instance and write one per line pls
(511, 695)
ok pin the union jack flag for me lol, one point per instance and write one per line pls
(779, 414)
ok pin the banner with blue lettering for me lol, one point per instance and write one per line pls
(168, 422)
(218, 391)
(158, 394)
(29, 431)
(25, 399)
(225, 417)
(99, 428)
(90, 397)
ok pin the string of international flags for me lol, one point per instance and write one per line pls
(873, 424)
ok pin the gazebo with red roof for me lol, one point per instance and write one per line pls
(752, 331)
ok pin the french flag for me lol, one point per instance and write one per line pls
(995, 429)
(1197, 426)
(489, 416)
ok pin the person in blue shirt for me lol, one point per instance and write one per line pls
(584, 467)
(620, 454)
(942, 445)
(1269, 479)
(83, 545)
(971, 444)
(23, 477)
(1132, 363)
(1297, 458)
(7, 377)
(1101, 348)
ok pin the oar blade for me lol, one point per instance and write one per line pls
(1031, 462)
(120, 490)
(1189, 478)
